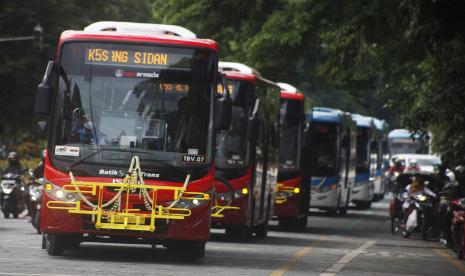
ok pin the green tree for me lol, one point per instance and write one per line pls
(23, 63)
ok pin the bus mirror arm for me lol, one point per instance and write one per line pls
(44, 91)
(306, 143)
(253, 123)
(223, 108)
(252, 128)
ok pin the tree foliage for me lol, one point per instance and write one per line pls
(373, 56)
(23, 62)
(399, 60)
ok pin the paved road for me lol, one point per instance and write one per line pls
(358, 244)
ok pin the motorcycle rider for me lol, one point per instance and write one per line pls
(413, 166)
(13, 164)
(39, 170)
(415, 188)
(14, 167)
(399, 166)
(451, 191)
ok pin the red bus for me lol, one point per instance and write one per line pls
(247, 155)
(292, 195)
(131, 122)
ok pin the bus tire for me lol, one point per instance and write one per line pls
(261, 231)
(186, 250)
(301, 223)
(55, 244)
(343, 210)
(240, 233)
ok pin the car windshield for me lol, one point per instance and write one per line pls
(428, 162)
(155, 101)
(231, 145)
(324, 149)
(291, 115)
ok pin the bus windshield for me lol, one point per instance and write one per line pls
(324, 149)
(363, 145)
(403, 145)
(151, 100)
(231, 145)
(290, 124)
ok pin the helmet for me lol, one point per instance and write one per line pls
(42, 155)
(13, 158)
(459, 173)
(399, 163)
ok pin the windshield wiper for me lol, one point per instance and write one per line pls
(179, 169)
(99, 150)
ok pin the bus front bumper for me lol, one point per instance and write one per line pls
(323, 200)
(196, 226)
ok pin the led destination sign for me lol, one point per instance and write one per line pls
(158, 58)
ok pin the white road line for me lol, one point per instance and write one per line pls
(33, 274)
(339, 265)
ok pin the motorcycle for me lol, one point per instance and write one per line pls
(458, 227)
(10, 192)
(421, 215)
(35, 201)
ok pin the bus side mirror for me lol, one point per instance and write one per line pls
(252, 129)
(41, 128)
(223, 108)
(44, 91)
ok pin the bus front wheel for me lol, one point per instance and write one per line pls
(55, 244)
(186, 250)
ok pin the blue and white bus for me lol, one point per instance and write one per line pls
(362, 192)
(403, 141)
(377, 166)
(332, 154)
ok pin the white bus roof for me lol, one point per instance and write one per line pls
(236, 67)
(287, 87)
(140, 28)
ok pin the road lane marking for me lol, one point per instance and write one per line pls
(458, 264)
(32, 274)
(296, 257)
(339, 265)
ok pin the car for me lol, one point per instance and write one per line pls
(425, 162)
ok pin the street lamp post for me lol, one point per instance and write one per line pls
(36, 35)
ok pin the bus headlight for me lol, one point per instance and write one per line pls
(192, 202)
(288, 192)
(58, 193)
(240, 193)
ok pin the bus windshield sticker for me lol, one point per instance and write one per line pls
(192, 151)
(67, 151)
(193, 158)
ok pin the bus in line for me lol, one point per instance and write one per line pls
(378, 163)
(332, 165)
(363, 191)
(246, 159)
(131, 122)
(292, 193)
